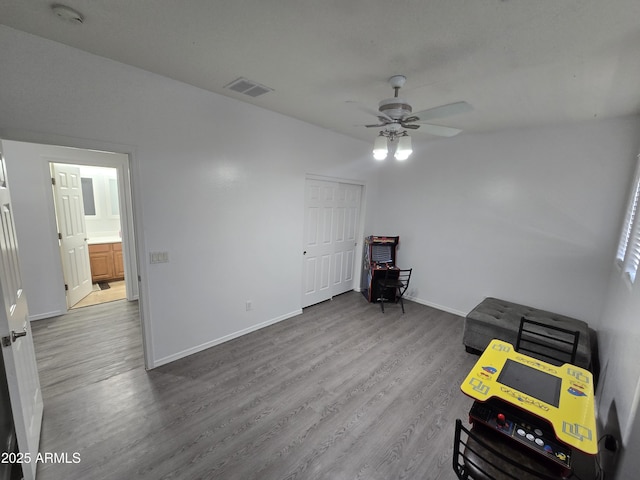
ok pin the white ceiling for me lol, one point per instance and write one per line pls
(518, 62)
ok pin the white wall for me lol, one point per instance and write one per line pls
(218, 184)
(619, 389)
(36, 231)
(627, 464)
(530, 215)
(105, 222)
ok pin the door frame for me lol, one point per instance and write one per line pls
(121, 167)
(131, 217)
(361, 223)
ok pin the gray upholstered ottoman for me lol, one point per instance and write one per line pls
(495, 318)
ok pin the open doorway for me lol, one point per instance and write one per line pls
(88, 217)
(28, 166)
(38, 226)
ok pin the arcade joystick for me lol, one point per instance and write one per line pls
(501, 419)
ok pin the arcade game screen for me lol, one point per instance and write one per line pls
(382, 254)
(532, 382)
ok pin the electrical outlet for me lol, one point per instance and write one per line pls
(610, 443)
(249, 305)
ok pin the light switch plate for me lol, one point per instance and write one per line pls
(159, 257)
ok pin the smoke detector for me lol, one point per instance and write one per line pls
(67, 13)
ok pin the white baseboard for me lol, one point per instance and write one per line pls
(190, 351)
(435, 305)
(42, 316)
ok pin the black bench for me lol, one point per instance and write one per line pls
(495, 318)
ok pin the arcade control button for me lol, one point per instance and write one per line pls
(538, 432)
(521, 432)
(530, 437)
(539, 442)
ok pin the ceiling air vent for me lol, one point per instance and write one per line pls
(247, 87)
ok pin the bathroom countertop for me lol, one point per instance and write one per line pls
(97, 240)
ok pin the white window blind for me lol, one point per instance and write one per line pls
(632, 207)
(633, 253)
(628, 254)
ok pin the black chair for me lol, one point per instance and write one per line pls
(481, 454)
(546, 342)
(394, 284)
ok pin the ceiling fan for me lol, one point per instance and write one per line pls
(396, 114)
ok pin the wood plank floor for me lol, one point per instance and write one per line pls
(339, 392)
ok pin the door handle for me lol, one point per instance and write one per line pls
(15, 335)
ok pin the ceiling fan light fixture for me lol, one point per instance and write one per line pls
(396, 116)
(380, 148)
(403, 150)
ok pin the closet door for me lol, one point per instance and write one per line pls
(346, 215)
(330, 231)
(318, 241)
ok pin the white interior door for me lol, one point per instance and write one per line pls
(74, 250)
(318, 242)
(17, 343)
(346, 215)
(330, 231)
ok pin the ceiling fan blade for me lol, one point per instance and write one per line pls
(377, 125)
(363, 108)
(412, 127)
(439, 130)
(437, 112)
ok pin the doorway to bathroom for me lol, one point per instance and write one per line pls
(90, 234)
